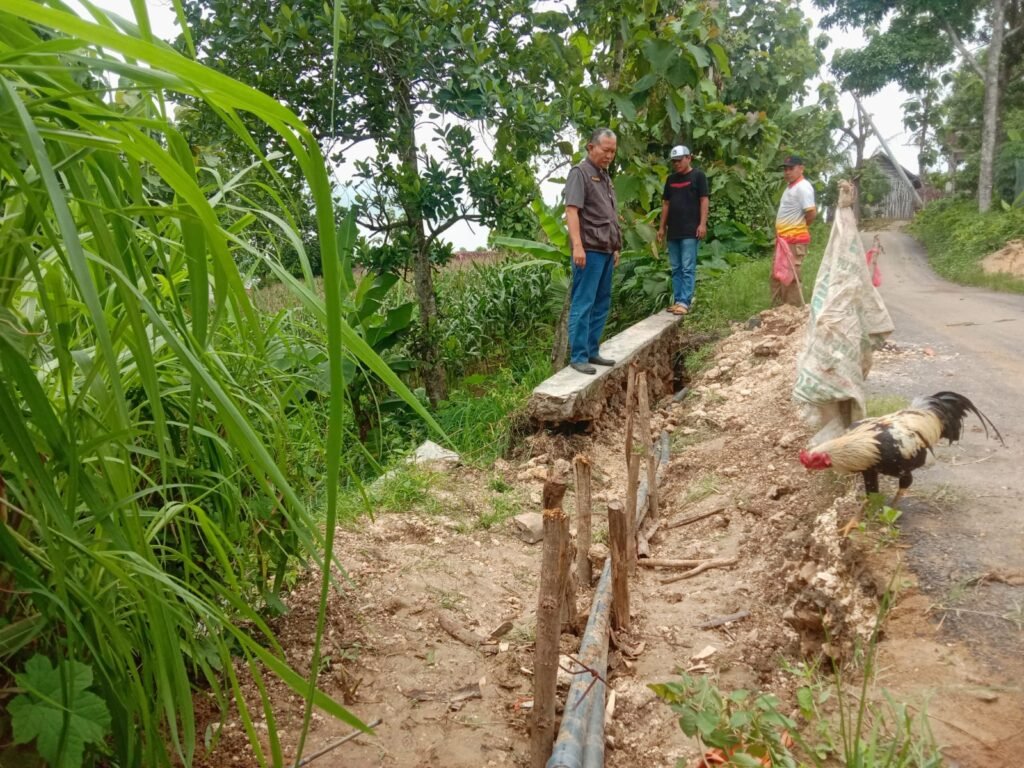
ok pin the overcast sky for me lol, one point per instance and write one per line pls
(885, 107)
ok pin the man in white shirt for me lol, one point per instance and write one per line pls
(792, 226)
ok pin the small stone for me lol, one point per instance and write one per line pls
(431, 453)
(788, 439)
(989, 697)
(529, 526)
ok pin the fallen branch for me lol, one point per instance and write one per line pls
(307, 760)
(721, 563)
(1011, 578)
(694, 518)
(654, 562)
(471, 691)
(643, 539)
(452, 626)
(721, 620)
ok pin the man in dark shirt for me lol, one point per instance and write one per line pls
(684, 212)
(595, 239)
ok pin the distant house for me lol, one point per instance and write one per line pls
(899, 202)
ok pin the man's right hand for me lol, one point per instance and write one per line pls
(579, 256)
(661, 236)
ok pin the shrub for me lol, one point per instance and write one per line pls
(957, 238)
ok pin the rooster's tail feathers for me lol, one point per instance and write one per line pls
(952, 408)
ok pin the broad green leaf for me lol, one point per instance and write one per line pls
(625, 105)
(721, 58)
(645, 83)
(537, 249)
(700, 55)
(58, 711)
(660, 54)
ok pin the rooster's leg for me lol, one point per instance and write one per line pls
(870, 481)
(870, 486)
(905, 481)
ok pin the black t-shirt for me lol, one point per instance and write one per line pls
(683, 192)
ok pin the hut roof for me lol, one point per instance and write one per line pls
(887, 167)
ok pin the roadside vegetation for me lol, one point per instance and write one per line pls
(958, 238)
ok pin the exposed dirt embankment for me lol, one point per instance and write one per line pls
(735, 439)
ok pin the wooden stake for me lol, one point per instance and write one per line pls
(618, 539)
(630, 398)
(549, 628)
(644, 414)
(581, 465)
(567, 574)
(632, 483)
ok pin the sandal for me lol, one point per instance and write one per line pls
(678, 309)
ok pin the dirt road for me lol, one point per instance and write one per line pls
(965, 515)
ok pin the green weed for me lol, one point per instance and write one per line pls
(855, 727)
(746, 727)
(701, 488)
(403, 489)
(883, 405)
(502, 508)
(882, 518)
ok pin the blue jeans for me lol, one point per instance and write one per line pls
(588, 310)
(682, 258)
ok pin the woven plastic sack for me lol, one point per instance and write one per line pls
(848, 321)
(876, 273)
(782, 267)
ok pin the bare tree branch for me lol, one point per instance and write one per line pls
(968, 56)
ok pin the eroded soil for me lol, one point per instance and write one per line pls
(810, 593)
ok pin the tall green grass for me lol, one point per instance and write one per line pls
(958, 238)
(151, 490)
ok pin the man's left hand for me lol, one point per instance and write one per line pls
(616, 257)
(702, 231)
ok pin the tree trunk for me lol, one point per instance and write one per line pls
(990, 114)
(435, 379)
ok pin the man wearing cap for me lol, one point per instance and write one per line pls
(595, 239)
(684, 215)
(792, 226)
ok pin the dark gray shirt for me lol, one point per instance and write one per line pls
(590, 189)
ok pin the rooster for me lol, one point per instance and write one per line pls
(896, 444)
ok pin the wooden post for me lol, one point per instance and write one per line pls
(632, 484)
(618, 539)
(567, 575)
(630, 398)
(644, 413)
(549, 625)
(581, 465)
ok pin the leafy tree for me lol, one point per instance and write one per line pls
(922, 38)
(391, 72)
(958, 134)
(725, 79)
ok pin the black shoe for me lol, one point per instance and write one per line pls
(598, 360)
(583, 368)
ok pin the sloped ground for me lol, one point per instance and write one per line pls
(735, 440)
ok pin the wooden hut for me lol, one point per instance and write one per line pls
(899, 202)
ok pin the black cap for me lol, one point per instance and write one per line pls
(792, 160)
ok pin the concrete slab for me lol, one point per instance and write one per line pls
(573, 396)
